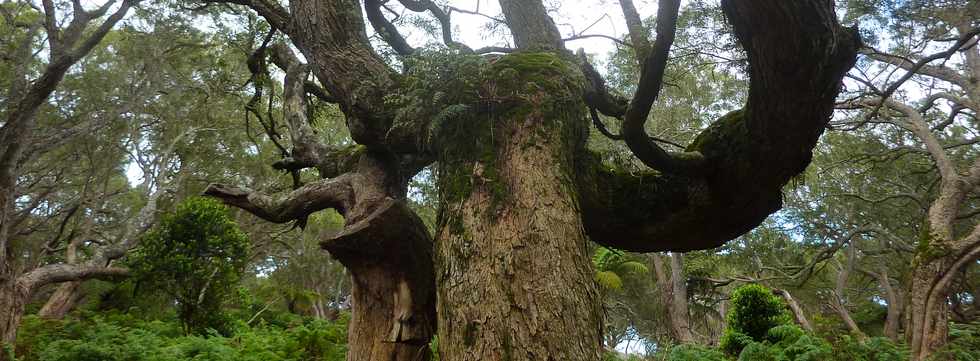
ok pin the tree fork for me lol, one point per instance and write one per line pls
(384, 245)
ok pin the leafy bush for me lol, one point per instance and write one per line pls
(197, 255)
(689, 352)
(732, 342)
(755, 310)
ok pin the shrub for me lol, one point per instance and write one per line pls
(690, 352)
(196, 255)
(873, 349)
(122, 337)
(732, 342)
(755, 310)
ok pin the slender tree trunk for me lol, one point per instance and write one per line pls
(839, 297)
(673, 295)
(680, 315)
(515, 280)
(893, 317)
(63, 300)
(794, 306)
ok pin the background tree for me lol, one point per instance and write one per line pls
(30, 83)
(947, 242)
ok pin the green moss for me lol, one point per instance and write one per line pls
(927, 248)
(730, 126)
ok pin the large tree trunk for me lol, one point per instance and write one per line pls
(63, 300)
(386, 328)
(389, 255)
(14, 297)
(515, 280)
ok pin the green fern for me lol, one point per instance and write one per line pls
(609, 280)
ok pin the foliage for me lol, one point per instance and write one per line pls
(964, 344)
(755, 311)
(613, 266)
(197, 255)
(872, 349)
(119, 336)
(690, 352)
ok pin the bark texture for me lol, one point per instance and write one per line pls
(516, 282)
(63, 300)
(672, 289)
(14, 297)
(383, 244)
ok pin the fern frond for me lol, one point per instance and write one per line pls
(633, 268)
(609, 280)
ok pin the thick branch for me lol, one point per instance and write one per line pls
(56, 273)
(638, 32)
(332, 36)
(797, 58)
(385, 28)
(651, 81)
(326, 193)
(531, 26)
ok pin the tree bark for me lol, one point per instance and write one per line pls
(384, 245)
(518, 190)
(673, 294)
(14, 297)
(794, 306)
(393, 310)
(63, 300)
(928, 328)
(515, 280)
(680, 315)
(893, 317)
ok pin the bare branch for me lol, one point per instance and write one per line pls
(276, 15)
(385, 28)
(651, 81)
(333, 193)
(56, 273)
(445, 21)
(638, 32)
(917, 67)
